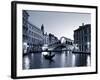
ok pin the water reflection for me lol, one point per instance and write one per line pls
(26, 62)
(61, 59)
(88, 60)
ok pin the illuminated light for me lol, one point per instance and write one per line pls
(88, 45)
(25, 46)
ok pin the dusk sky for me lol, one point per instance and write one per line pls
(59, 23)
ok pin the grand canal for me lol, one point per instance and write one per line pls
(60, 60)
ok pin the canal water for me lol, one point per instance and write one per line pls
(60, 60)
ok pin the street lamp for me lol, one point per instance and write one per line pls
(88, 46)
(25, 46)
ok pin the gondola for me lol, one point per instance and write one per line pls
(49, 56)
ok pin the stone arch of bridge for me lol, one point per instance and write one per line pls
(63, 39)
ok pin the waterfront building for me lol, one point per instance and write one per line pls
(35, 35)
(25, 25)
(32, 35)
(52, 38)
(48, 38)
(82, 37)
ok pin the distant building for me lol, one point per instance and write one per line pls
(52, 38)
(45, 35)
(82, 37)
(46, 38)
(32, 35)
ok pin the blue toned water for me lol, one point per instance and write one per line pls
(60, 60)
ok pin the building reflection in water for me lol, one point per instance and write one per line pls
(26, 62)
(61, 59)
(88, 61)
(73, 60)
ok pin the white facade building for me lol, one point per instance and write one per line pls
(32, 35)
